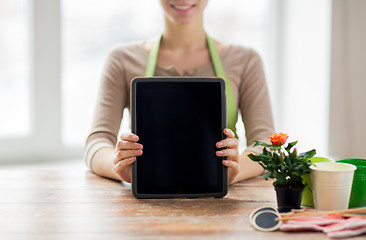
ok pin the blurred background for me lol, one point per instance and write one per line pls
(52, 53)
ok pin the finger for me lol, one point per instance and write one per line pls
(125, 145)
(228, 142)
(231, 154)
(121, 155)
(121, 166)
(126, 136)
(229, 133)
(231, 164)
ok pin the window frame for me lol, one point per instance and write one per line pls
(45, 91)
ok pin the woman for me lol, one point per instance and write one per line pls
(182, 50)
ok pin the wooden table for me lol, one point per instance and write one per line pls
(77, 204)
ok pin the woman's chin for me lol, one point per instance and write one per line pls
(184, 20)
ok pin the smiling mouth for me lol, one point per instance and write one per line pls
(182, 7)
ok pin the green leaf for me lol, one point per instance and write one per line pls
(263, 166)
(266, 176)
(294, 153)
(260, 143)
(252, 156)
(307, 155)
(266, 152)
(275, 148)
(283, 167)
(290, 145)
(288, 161)
(281, 178)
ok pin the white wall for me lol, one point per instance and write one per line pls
(348, 79)
(301, 96)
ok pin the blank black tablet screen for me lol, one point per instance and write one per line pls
(179, 124)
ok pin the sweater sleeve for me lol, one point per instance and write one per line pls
(254, 102)
(112, 99)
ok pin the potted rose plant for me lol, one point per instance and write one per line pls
(287, 168)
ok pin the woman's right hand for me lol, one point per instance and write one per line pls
(126, 151)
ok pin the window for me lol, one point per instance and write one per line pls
(53, 52)
(304, 82)
(14, 69)
(88, 34)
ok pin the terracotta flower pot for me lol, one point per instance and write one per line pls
(288, 197)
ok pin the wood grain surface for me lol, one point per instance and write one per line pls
(76, 204)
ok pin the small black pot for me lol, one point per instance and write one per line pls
(288, 197)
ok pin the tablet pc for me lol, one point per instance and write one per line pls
(178, 121)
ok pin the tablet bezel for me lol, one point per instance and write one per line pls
(134, 83)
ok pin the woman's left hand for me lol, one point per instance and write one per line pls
(231, 153)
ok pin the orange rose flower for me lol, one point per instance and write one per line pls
(278, 139)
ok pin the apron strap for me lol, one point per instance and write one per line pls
(153, 58)
(231, 111)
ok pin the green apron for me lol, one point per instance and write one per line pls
(232, 113)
